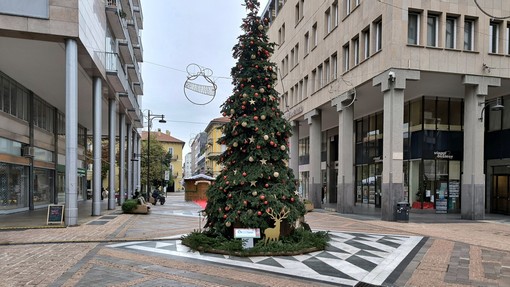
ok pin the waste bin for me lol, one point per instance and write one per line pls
(403, 211)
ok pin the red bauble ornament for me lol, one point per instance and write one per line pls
(244, 173)
(265, 202)
(259, 213)
(284, 197)
(256, 118)
(292, 199)
(224, 114)
(245, 202)
(266, 185)
(271, 142)
(258, 147)
(230, 195)
(243, 107)
(224, 216)
(262, 197)
(256, 94)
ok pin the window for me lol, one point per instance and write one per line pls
(320, 82)
(347, 7)
(291, 98)
(305, 87)
(328, 21)
(334, 66)
(314, 79)
(327, 72)
(296, 54)
(357, 2)
(450, 37)
(334, 12)
(281, 34)
(292, 58)
(307, 43)
(508, 39)
(413, 29)
(300, 93)
(432, 30)
(314, 35)
(469, 32)
(346, 57)
(355, 46)
(494, 37)
(378, 36)
(297, 13)
(286, 64)
(366, 44)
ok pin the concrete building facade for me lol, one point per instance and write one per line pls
(397, 101)
(68, 70)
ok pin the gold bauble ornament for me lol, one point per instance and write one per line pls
(244, 124)
(282, 147)
(261, 27)
(261, 90)
(251, 159)
(227, 224)
(263, 117)
(276, 174)
(245, 95)
(254, 193)
(235, 144)
(266, 137)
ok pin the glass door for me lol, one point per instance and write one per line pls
(500, 194)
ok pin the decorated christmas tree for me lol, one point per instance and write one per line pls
(256, 188)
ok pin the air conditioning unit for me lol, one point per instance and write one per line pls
(28, 151)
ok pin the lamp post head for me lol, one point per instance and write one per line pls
(498, 106)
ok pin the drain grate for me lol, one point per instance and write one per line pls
(363, 284)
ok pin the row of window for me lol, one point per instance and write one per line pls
(454, 35)
(15, 100)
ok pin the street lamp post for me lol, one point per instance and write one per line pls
(149, 124)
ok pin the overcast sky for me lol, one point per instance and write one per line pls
(177, 33)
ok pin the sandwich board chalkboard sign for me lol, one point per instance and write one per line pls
(55, 214)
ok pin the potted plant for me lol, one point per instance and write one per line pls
(308, 205)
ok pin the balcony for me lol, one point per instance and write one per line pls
(126, 51)
(137, 11)
(137, 117)
(134, 73)
(114, 72)
(138, 51)
(126, 8)
(129, 101)
(133, 32)
(138, 88)
(115, 18)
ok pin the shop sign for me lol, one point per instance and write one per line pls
(443, 154)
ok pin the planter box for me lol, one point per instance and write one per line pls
(309, 206)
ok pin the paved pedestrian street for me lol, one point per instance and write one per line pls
(117, 249)
(350, 258)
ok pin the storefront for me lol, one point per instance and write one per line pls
(433, 145)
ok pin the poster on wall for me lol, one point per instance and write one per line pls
(453, 188)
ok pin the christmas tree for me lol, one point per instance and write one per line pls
(256, 188)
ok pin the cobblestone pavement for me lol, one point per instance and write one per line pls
(455, 252)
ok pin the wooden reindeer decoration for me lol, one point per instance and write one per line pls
(273, 234)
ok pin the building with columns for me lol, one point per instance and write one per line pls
(397, 101)
(68, 70)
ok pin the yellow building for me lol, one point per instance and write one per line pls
(213, 131)
(174, 146)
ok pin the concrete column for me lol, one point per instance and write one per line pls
(393, 83)
(97, 147)
(122, 158)
(130, 161)
(138, 163)
(294, 149)
(345, 188)
(472, 205)
(71, 176)
(112, 110)
(314, 191)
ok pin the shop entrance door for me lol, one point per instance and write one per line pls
(500, 194)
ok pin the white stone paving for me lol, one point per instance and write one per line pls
(332, 265)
